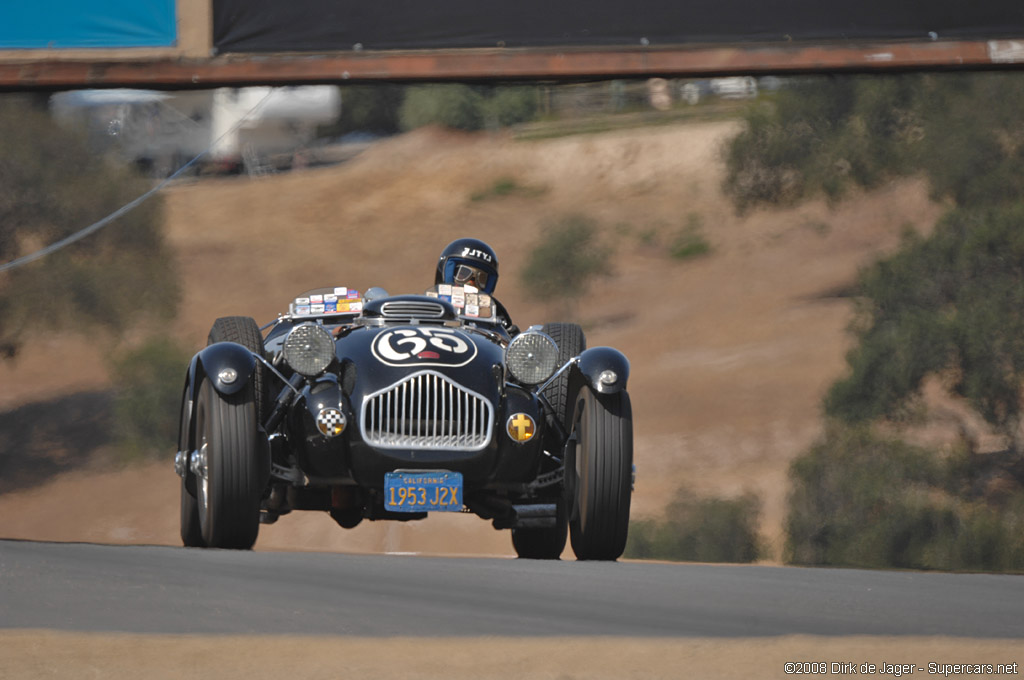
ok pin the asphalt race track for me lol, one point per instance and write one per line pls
(148, 589)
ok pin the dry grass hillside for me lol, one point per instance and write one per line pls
(731, 352)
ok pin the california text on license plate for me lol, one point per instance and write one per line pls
(423, 491)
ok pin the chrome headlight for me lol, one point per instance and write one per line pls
(309, 349)
(531, 358)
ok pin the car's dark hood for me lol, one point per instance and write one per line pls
(385, 355)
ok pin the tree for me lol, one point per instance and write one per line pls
(451, 105)
(972, 139)
(52, 185)
(860, 500)
(463, 107)
(950, 305)
(947, 305)
(822, 135)
(963, 131)
(368, 108)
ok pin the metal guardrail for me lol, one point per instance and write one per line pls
(496, 64)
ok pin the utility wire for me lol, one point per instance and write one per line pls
(128, 207)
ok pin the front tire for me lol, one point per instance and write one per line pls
(601, 466)
(191, 533)
(229, 486)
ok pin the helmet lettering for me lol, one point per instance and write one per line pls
(479, 254)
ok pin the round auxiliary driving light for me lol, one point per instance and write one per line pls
(531, 358)
(308, 349)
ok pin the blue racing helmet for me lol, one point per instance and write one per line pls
(468, 261)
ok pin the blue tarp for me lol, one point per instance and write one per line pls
(87, 23)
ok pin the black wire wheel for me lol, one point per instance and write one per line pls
(599, 468)
(191, 534)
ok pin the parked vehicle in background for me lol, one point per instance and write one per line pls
(239, 129)
(738, 87)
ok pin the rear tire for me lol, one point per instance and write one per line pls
(246, 332)
(571, 342)
(602, 471)
(542, 544)
(229, 494)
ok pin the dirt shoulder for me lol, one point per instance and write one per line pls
(32, 655)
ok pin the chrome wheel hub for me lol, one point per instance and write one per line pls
(201, 471)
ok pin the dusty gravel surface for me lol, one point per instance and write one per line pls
(32, 655)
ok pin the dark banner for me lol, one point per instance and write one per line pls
(333, 25)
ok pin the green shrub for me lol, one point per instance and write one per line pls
(148, 383)
(369, 108)
(699, 530)
(451, 105)
(505, 186)
(648, 237)
(858, 500)
(508, 105)
(565, 260)
(463, 107)
(690, 242)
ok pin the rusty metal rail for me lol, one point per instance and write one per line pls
(48, 72)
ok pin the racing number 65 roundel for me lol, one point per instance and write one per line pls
(411, 346)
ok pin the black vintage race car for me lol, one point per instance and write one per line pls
(391, 407)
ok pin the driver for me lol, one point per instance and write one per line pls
(470, 261)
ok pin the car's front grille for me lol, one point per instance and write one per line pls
(427, 411)
(409, 309)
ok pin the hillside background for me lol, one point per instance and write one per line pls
(731, 351)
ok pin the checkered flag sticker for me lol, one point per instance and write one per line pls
(330, 422)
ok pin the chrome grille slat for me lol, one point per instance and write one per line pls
(451, 410)
(404, 308)
(405, 394)
(427, 410)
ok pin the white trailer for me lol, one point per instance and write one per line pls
(235, 129)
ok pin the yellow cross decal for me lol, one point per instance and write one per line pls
(521, 427)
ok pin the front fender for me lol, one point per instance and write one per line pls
(596, 367)
(210, 361)
(213, 360)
